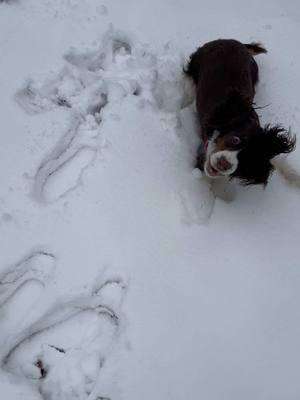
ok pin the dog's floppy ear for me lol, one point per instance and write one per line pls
(278, 140)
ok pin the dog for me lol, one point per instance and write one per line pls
(235, 145)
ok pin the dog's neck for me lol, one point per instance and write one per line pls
(235, 111)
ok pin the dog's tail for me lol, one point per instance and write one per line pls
(255, 48)
(287, 170)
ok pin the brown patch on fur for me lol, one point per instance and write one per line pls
(220, 144)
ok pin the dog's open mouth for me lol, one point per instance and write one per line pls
(211, 171)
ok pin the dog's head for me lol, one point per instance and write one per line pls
(239, 147)
(246, 153)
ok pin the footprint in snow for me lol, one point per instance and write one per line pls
(64, 351)
(21, 288)
(37, 267)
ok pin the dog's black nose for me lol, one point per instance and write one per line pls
(223, 164)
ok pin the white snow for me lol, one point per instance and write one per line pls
(124, 274)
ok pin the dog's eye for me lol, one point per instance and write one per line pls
(235, 140)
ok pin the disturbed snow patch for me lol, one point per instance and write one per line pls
(195, 211)
(92, 85)
(63, 351)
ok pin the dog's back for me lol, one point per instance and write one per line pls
(220, 66)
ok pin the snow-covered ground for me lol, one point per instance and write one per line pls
(122, 275)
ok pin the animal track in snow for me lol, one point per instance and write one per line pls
(119, 69)
(197, 200)
(62, 169)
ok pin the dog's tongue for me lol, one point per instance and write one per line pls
(213, 171)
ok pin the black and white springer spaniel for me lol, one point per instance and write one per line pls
(234, 143)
